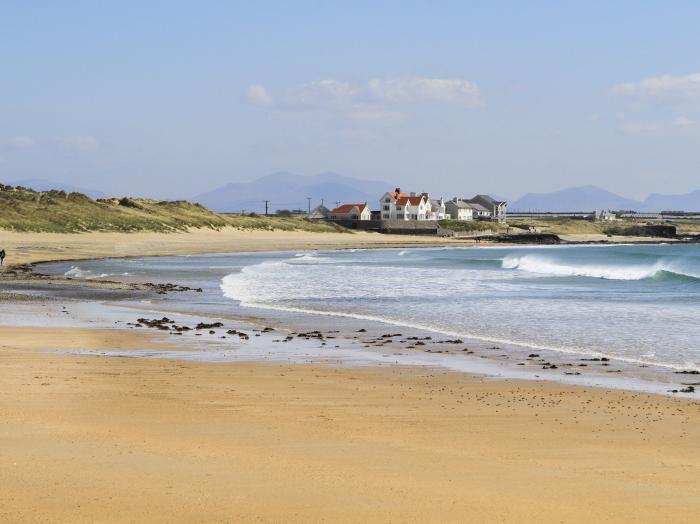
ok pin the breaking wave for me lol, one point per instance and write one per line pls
(543, 266)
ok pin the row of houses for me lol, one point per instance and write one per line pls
(399, 205)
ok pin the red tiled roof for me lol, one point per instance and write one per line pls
(347, 208)
(395, 195)
(414, 200)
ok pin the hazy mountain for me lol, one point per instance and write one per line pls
(38, 184)
(586, 198)
(289, 191)
(687, 202)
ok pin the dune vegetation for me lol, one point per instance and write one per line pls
(23, 209)
(473, 226)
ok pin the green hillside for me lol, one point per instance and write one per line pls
(23, 209)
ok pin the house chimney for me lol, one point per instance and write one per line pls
(425, 195)
(412, 193)
(398, 190)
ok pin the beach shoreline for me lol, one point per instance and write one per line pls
(34, 248)
(538, 365)
(272, 441)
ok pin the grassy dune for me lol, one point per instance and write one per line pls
(23, 209)
(473, 226)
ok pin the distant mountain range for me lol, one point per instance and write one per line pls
(590, 198)
(39, 184)
(290, 191)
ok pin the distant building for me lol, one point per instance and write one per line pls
(605, 215)
(319, 213)
(497, 209)
(642, 216)
(352, 212)
(480, 212)
(438, 211)
(398, 205)
(458, 209)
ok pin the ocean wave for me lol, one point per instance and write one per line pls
(77, 272)
(659, 270)
(232, 289)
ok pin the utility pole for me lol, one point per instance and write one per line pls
(266, 204)
(309, 201)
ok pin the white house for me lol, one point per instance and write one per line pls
(605, 215)
(319, 213)
(438, 209)
(352, 212)
(497, 209)
(481, 212)
(397, 205)
(458, 209)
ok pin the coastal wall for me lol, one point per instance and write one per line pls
(396, 227)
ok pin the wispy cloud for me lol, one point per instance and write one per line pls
(258, 95)
(683, 122)
(666, 86)
(374, 102)
(400, 91)
(641, 128)
(678, 124)
(414, 90)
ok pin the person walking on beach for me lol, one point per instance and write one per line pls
(2, 257)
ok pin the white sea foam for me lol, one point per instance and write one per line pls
(544, 266)
(77, 272)
(232, 288)
(496, 303)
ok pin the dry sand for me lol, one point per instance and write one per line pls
(23, 248)
(104, 439)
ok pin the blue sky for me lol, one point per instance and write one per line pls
(174, 98)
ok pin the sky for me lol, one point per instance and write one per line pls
(170, 99)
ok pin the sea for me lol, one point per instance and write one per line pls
(638, 304)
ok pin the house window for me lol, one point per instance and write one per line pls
(387, 200)
(386, 208)
(386, 215)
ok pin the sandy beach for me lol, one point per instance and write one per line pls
(108, 439)
(26, 248)
(117, 439)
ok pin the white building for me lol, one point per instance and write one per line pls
(458, 209)
(605, 215)
(397, 205)
(497, 209)
(438, 209)
(352, 212)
